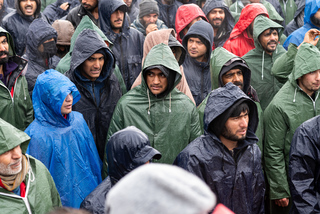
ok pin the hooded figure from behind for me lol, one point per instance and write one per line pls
(235, 176)
(63, 143)
(198, 72)
(126, 150)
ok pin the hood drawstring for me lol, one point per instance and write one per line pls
(223, 154)
(24, 91)
(262, 65)
(31, 174)
(290, 3)
(149, 101)
(295, 93)
(170, 104)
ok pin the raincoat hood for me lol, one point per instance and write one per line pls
(12, 137)
(248, 14)
(262, 23)
(12, 52)
(86, 23)
(162, 55)
(106, 8)
(307, 53)
(36, 13)
(93, 43)
(273, 14)
(39, 31)
(203, 29)
(312, 6)
(222, 99)
(126, 150)
(221, 57)
(49, 95)
(185, 14)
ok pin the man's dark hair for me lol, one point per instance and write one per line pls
(243, 107)
(273, 29)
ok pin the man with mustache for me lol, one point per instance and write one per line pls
(18, 22)
(266, 34)
(15, 102)
(86, 8)
(221, 20)
(26, 185)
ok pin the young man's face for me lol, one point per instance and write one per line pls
(269, 40)
(235, 128)
(10, 161)
(89, 4)
(216, 17)
(235, 76)
(116, 19)
(92, 67)
(4, 50)
(66, 107)
(28, 7)
(157, 82)
(149, 19)
(196, 49)
(310, 82)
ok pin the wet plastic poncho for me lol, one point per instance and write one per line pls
(312, 6)
(170, 122)
(236, 180)
(260, 63)
(17, 24)
(78, 13)
(198, 73)
(127, 45)
(54, 12)
(16, 105)
(126, 150)
(289, 109)
(304, 168)
(97, 116)
(167, 13)
(289, 8)
(294, 24)
(65, 146)
(41, 193)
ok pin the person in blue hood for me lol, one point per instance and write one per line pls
(41, 46)
(127, 42)
(61, 139)
(226, 156)
(311, 20)
(126, 150)
(91, 67)
(198, 42)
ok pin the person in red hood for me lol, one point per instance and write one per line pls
(241, 41)
(186, 16)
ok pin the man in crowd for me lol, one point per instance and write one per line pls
(198, 42)
(148, 18)
(17, 23)
(311, 20)
(168, 10)
(86, 8)
(304, 167)
(296, 102)
(26, 185)
(91, 72)
(127, 42)
(4, 10)
(186, 16)
(133, 9)
(16, 105)
(230, 164)
(297, 21)
(220, 19)
(266, 34)
(157, 108)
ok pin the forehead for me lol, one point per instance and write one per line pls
(155, 71)
(152, 14)
(194, 39)
(233, 71)
(269, 31)
(216, 10)
(2, 37)
(96, 55)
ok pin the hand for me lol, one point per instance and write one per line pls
(284, 202)
(150, 28)
(310, 37)
(64, 6)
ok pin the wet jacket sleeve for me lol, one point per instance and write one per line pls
(283, 66)
(303, 172)
(275, 135)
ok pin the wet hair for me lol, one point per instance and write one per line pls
(243, 107)
(273, 29)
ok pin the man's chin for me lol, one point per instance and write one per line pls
(4, 60)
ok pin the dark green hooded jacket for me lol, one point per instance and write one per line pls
(288, 110)
(260, 63)
(218, 59)
(170, 122)
(41, 193)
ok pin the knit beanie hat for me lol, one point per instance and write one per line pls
(160, 188)
(148, 7)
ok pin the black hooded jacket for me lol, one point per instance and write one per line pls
(77, 13)
(236, 178)
(127, 45)
(97, 116)
(198, 73)
(293, 25)
(227, 25)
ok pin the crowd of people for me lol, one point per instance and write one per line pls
(93, 91)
